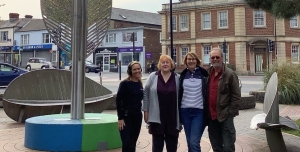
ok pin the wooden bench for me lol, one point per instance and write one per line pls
(48, 91)
(270, 119)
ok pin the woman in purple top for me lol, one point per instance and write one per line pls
(160, 106)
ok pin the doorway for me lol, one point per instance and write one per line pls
(107, 61)
(260, 62)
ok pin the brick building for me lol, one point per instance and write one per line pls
(199, 25)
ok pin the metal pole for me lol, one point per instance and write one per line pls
(119, 66)
(133, 48)
(275, 33)
(171, 31)
(79, 36)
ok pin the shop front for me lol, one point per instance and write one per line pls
(5, 54)
(126, 55)
(107, 58)
(23, 53)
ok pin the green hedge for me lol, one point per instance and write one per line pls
(288, 81)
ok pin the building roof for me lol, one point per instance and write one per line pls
(135, 16)
(34, 25)
(14, 23)
(116, 14)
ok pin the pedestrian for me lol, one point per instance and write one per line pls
(148, 67)
(129, 103)
(160, 106)
(224, 96)
(152, 66)
(192, 100)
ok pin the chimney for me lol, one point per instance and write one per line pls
(28, 16)
(13, 16)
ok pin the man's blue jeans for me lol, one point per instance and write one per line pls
(193, 123)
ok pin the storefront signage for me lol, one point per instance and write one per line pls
(30, 47)
(5, 47)
(148, 55)
(130, 49)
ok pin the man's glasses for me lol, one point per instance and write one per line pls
(215, 57)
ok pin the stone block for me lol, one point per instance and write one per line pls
(247, 102)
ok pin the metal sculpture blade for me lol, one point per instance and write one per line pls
(57, 15)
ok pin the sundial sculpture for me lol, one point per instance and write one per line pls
(78, 33)
(77, 27)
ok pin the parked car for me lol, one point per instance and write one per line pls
(8, 73)
(37, 63)
(89, 67)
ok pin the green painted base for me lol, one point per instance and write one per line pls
(99, 128)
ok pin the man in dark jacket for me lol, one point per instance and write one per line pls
(224, 96)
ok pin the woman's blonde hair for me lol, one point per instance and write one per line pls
(193, 55)
(163, 57)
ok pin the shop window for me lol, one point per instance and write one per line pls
(126, 58)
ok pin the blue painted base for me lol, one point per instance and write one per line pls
(60, 133)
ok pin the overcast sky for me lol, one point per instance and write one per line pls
(32, 7)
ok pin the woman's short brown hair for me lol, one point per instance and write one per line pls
(163, 57)
(193, 55)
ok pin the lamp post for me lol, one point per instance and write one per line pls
(133, 47)
(19, 55)
(171, 31)
(225, 50)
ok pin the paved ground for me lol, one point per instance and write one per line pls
(12, 133)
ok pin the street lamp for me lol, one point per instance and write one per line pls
(171, 31)
(19, 56)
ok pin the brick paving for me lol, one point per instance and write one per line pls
(12, 134)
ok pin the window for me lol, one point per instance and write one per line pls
(223, 19)
(295, 53)
(206, 56)
(227, 53)
(126, 58)
(294, 21)
(174, 23)
(111, 38)
(184, 23)
(46, 38)
(127, 37)
(259, 19)
(4, 35)
(184, 51)
(206, 20)
(25, 39)
(54, 56)
(5, 68)
(174, 54)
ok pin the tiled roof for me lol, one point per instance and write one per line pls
(14, 23)
(34, 25)
(135, 16)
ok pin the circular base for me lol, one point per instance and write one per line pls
(60, 133)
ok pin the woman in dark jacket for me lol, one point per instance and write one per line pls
(129, 104)
(192, 100)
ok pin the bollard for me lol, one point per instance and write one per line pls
(100, 75)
